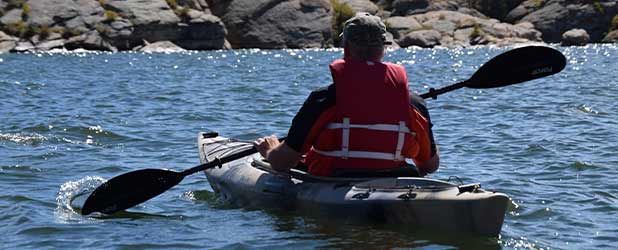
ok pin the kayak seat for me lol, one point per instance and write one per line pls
(404, 171)
(407, 170)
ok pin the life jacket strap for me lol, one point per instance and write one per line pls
(379, 127)
(360, 154)
(345, 138)
(345, 152)
(400, 138)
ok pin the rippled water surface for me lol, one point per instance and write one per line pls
(71, 121)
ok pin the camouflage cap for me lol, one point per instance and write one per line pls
(366, 30)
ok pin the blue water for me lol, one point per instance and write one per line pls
(69, 121)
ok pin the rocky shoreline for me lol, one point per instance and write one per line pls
(176, 25)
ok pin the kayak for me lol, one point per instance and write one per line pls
(410, 202)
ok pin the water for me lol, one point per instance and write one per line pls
(71, 121)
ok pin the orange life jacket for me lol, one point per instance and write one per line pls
(372, 125)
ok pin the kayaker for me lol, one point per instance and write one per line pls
(365, 121)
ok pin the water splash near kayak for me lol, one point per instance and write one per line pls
(72, 196)
(209, 197)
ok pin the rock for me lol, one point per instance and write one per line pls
(505, 31)
(409, 7)
(463, 35)
(50, 44)
(526, 30)
(383, 14)
(500, 30)
(7, 43)
(200, 5)
(50, 12)
(516, 40)
(153, 21)
(447, 41)
(203, 32)
(399, 25)
(458, 29)
(413, 7)
(91, 13)
(444, 5)
(454, 42)
(575, 37)
(73, 16)
(218, 7)
(522, 10)
(39, 38)
(441, 25)
(471, 12)
(451, 16)
(296, 23)
(161, 47)
(558, 16)
(394, 44)
(11, 17)
(275, 23)
(421, 38)
(87, 23)
(23, 46)
(482, 39)
(384, 4)
(525, 25)
(495, 9)
(545, 20)
(89, 41)
(145, 12)
(467, 23)
(362, 6)
(194, 14)
(121, 24)
(611, 37)
(141, 20)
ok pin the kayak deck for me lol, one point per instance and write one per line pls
(417, 203)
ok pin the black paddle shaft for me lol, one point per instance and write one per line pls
(218, 162)
(511, 67)
(433, 93)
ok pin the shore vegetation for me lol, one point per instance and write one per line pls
(341, 13)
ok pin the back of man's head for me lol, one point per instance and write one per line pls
(364, 36)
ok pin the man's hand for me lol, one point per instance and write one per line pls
(430, 165)
(280, 156)
(266, 144)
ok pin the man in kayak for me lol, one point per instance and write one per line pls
(366, 121)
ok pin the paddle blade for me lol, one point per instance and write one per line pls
(518, 65)
(129, 189)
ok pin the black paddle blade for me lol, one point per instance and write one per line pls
(129, 189)
(518, 65)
